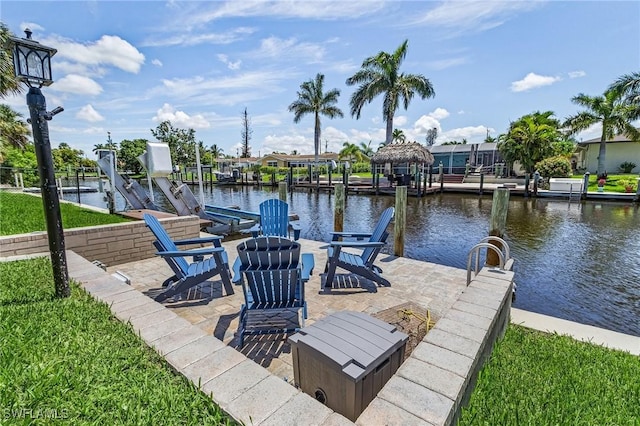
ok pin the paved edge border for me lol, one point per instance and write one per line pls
(429, 388)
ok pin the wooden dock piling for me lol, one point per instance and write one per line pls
(282, 190)
(338, 209)
(499, 209)
(400, 220)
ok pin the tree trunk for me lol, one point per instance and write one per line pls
(601, 155)
(389, 134)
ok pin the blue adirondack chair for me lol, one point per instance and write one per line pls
(274, 220)
(274, 273)
(362, 263)
(188, 274)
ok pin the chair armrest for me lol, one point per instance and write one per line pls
(213, 239)
(307, 265)
(255, 230)
(295, 226)
(358, 235)
(357, 244)
(195, 252)
(237, 275)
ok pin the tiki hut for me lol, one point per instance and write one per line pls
(404, 162)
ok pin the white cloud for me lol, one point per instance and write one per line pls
(109, 50)
(399, 120)
(439, 113)
(533, 81)
(157, 62)
(447, 63)
(180, 118)
(274, 47)
(191, 39)
(77, 84)
(231, 65)
(472, 16)
(473, 134)
(88, 113)
(31, 25)
(577, 74)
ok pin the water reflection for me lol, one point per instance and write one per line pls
(574, 261)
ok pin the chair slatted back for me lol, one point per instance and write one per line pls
(379, 234)
(274, 217)
(270, 267)
(165, 243)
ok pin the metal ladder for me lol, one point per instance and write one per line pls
(505, 261)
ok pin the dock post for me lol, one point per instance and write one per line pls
(338, 208)
(498, 224)
(585, 186)
(282, 190)
(481, 191)
(441, 177)
(536, 178)
(400, 219)
(527, 181)
(637, 197)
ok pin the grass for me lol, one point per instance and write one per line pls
(22, 213)
(613, 182)
(535, 378)
(70, 359)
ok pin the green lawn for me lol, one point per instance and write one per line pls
(22, 213)
(613, 183)
(535, 378)
(72, 360)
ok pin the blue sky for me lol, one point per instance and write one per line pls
(123, 67)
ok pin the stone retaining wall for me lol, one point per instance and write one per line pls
(110, 244)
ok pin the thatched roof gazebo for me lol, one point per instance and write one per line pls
(409, 153)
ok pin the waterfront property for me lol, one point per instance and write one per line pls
(620, 149)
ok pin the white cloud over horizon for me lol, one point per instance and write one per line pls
(88, 113)
(533, 81)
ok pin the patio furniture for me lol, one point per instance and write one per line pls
(188, 274)
(274, 220)
(359, 264)
(274, 274)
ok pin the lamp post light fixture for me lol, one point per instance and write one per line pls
(32, 66)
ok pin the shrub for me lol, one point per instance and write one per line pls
(558, 166)
(626, 167)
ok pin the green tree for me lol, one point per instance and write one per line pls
(9, 84)
(216, 152)
(181, 142)
(313, 100)
(380, 74)
(431, 136)
(530, 139)
(366, 149)
(612, 112)
(629, 86)
(246, 135)
(351, 152)
(398, 136)
(13, 131)
(129, 152)
(22, 160)
(65, 156)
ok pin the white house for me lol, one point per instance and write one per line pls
(619, 150)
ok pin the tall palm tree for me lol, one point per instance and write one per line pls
(313, 100)
(366, 149)
(612, 112)
(398, 136)
(216, 152)
(380, 74)
(628, 85)
(351, 151)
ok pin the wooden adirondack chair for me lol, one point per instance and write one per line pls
(274, 274)
(187, 274)
(359, 264)
(274, 220)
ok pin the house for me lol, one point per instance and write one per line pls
(454, 157)
(620, 149)
(284, 160)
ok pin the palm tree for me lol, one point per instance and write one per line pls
(350, 151)
(8, 82)
(366, 149)
(13, 131)
(216, 152)
(398, 136)
(313, 100)
(628, 85)
(380, 74)
(612, 112)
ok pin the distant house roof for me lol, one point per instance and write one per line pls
(447, 149)
(617, 138)
(303, 157)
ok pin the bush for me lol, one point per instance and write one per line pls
(626, 167)
(558, 166)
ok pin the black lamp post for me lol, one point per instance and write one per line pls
(32, 66)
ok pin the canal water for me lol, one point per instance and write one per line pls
(577, 261)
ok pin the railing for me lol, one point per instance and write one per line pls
(505, 262)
